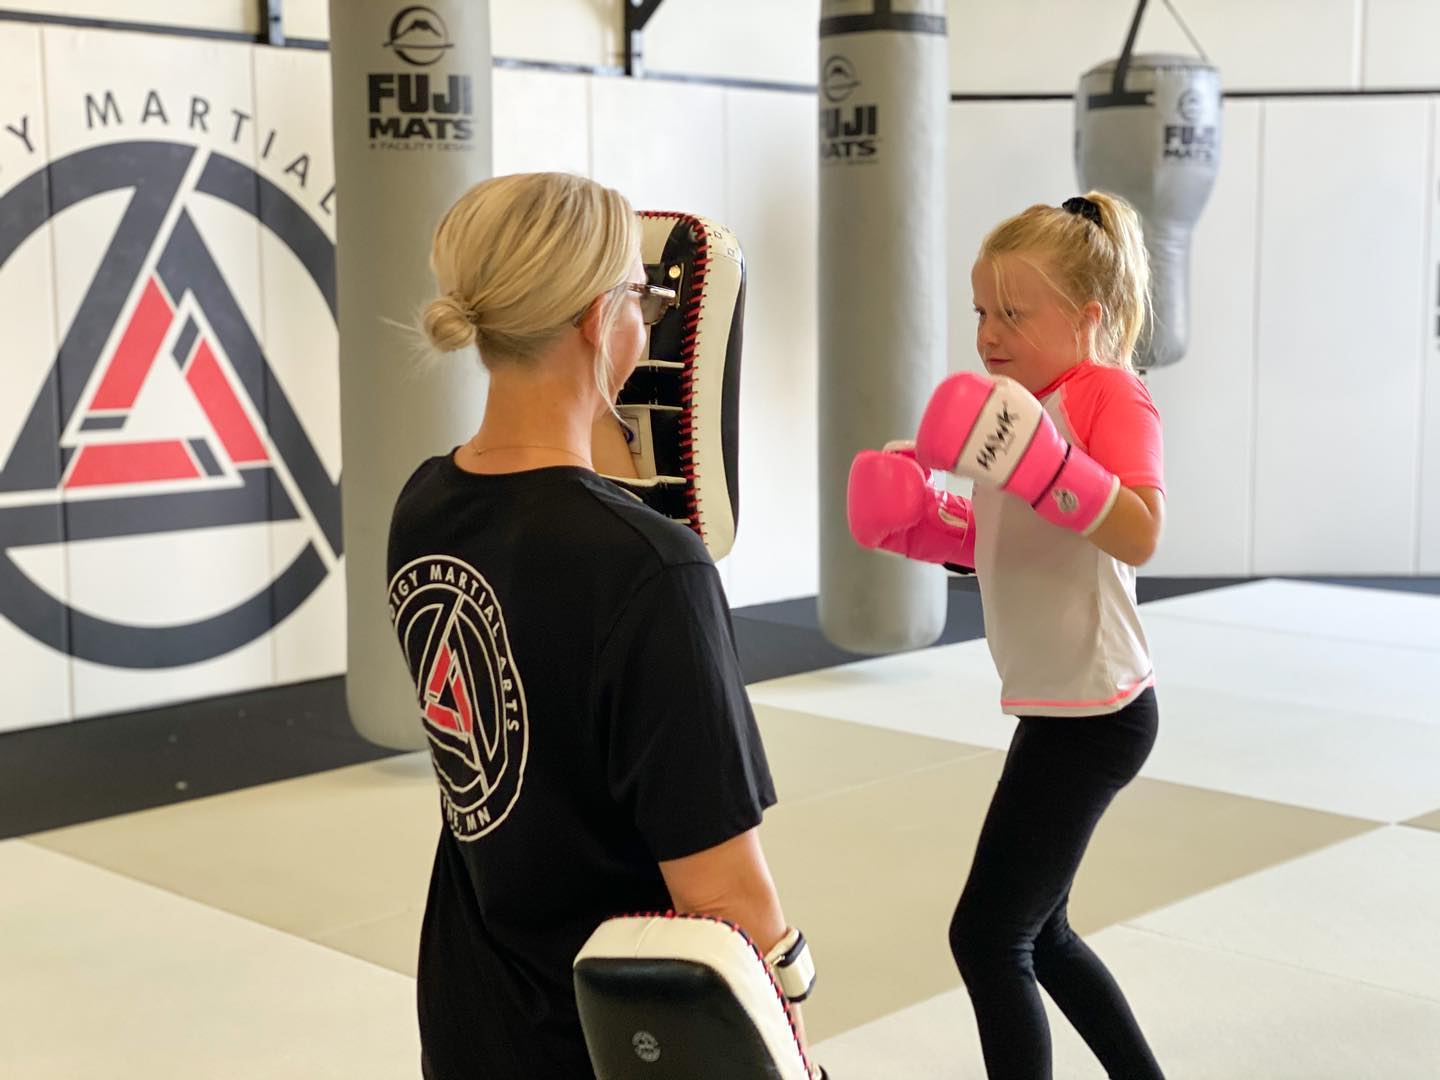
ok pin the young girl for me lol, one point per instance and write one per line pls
(1063, 443)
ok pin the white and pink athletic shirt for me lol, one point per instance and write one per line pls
(1060, 614)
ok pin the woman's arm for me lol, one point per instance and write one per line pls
(732, 881)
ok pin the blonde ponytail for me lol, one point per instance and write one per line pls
(1087, 260)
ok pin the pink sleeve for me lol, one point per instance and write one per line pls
(1115, 420)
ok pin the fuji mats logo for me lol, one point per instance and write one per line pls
(159, 323)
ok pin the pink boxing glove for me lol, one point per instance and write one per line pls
(891, 505)
(994, 431)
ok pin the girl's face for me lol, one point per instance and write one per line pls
(1031, 335)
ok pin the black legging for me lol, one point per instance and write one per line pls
(1010, 927)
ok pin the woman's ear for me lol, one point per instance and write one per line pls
(590, 320)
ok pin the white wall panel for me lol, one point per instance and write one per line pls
(660, 144)
(1207, 400)
(1400, 43)
(115, 71)
(297, 329)
(307, 19)
(300, 340)
(1341, 306)
(771, 167)
(1004, 156)
(36, 686)
(559, 31)
(137, 580)
(772, 40)
(26, 279)
(541, 122)
(769, 40)
(1044, 45)
(1429, 486)
(585, 32)
(240, 16)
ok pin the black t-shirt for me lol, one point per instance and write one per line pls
(575, 666)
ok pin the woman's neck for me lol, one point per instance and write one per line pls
(533, 419)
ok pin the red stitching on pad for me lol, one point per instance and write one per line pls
(689, 336)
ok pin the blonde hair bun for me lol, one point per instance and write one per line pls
(518, 257)
(448, 326)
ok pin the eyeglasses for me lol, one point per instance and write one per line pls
(655, 300)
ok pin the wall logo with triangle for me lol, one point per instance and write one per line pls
(161, 412)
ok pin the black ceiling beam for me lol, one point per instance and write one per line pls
(637, 14)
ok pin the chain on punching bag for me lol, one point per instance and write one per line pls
(411, 88)
(1148, 128)
(884, 92)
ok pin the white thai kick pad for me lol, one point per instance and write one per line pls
(682, 996)
(681, 406)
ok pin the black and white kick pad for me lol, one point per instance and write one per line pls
(682, 404)
(683, 996)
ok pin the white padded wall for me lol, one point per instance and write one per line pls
(1259, 44)
(300, 340)
(559, 31)
(1429, 486)
(660, 143)
(1400, 43)
(585, 32)
(1042, 46)
(1207, 401)
(307, 19)
(541, 122)
(771, 166)
(240, 16)
(1026, 46)
(1004, 156)
(164, 578)
(1342, 273)
(769, 40)
(36, 688)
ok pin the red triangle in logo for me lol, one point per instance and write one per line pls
(139, 345)
(217, 397)
(132, 463)
(110, 462)
(445, 676)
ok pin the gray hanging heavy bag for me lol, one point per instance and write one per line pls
(884, 96)
(411, 89)
(1147, 128)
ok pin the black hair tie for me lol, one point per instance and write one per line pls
(1087, 209)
